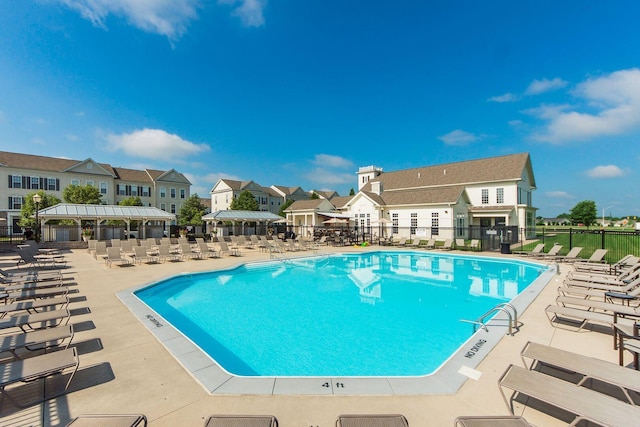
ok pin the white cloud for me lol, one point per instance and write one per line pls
(154, 144)
(323, 176)
(166, 17)
(608, 171)
(458, 137)
(507, 97)
(327, 160)
(558, 195)
(250, 12)
(616, 99)
(540, 86)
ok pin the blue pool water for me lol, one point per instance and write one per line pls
(372, 314)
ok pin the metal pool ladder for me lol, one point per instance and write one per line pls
(505, 307)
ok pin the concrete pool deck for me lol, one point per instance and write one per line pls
(125, 369)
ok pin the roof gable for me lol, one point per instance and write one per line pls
(492, 169)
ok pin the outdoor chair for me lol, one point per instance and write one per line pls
(114, 256)
(241, 421)
(372, 420)
(36, 340)
(491, 421)
(109, 420)
(584, 403)
(38, 367)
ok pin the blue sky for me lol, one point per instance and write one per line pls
(292, 92)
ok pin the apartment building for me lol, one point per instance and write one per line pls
(23, 174)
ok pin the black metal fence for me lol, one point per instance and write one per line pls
(618, 243)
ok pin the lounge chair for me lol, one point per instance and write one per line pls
(626, 263)
(373, 420)
(586, 404)
(44, 261)
(33, 293)
(36, 340)
(241, 421)
(188, 252)
(491, 421)
(44, 319)
(141, 255)
(110, 420)
(446, 246)
(580, 316)
(588, 367)
(593, 305)
(23, 275)
(596, 257)
(552, 254)
(114, 256)
(571, 256)
(225, 249)
(401, 242)
(38, 367)
(208, 252)
(101, 250)
(537, 250)
(475, 245)
(431, 243)
(33, 305)
(460, 244)
(165, 254)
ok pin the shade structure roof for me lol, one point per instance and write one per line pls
(334, 215)
(75, 211)
(230, 215)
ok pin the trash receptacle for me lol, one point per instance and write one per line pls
(505, 247)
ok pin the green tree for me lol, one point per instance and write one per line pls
(244, 202)
(191, 211)
(284, 207)
(314, 195)
(131, 201)
(83, 195)
(352, 192)
(29, 207)
(584, 213)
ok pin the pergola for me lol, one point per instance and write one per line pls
(100, 213)
(241, 216)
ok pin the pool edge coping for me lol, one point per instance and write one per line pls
(447, 379)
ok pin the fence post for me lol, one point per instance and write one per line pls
(603, 233)
(570, 238)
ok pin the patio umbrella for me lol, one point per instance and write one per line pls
(382, 225)
(335, 221)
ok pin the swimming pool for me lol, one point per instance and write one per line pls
(375, 314)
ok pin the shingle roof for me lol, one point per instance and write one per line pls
(426, 196)
(133, 175)
(492, 169)
(340, 201)
(305, 204)
(43, 163)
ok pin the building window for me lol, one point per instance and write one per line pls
(146, 191)
(500, 195)
(394, 223)
(15, 202)
(89, 166)
(35, 182)
(173, 193)
(435, 223)
(52, 184)
(163, 206)
(461, 219)
(183, 193)
(122, 190)
(17, 181)
(173, 208)
(134, 190)
(91, 183)
(163, 192)
(75, 182)
(103, 188)
(485, 196)
(414, 223)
